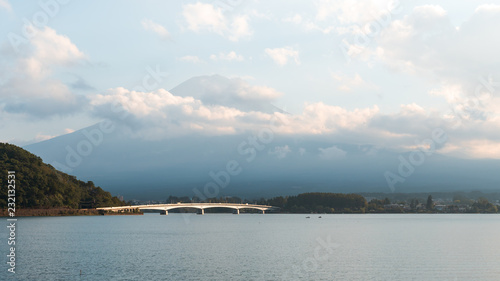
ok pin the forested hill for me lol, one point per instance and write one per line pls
(39, 185)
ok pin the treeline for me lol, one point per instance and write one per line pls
(320, 203)
(39, 185)
(303, 203)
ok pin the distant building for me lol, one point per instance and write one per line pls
(393, 206)
(440, 207)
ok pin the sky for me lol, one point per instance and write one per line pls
(387, 73)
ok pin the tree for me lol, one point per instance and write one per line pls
(430, 203)
(484, 206)
(41, 186)
(413, 204)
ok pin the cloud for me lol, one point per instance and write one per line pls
(202, 16)
(349, 84)
(82, 84)
(139, 103)
(331, 153)
(39, 137)
(319, 118)
(222, 109)
(6, 5)
(54, 48)
(309, 25)
(240, 28)
(233, 92)
(160, 114)
(297, 19)
(30, 87)
(215, 112)
(191, 59)
(353, 12)
(425, 41)
(148, 24)
(280, 152)
(475, 148)
(281, 55)
(231, 56)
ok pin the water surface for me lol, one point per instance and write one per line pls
(257, 247)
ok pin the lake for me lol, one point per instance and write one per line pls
(257, 247)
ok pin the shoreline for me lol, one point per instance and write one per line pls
(93, 212)
(61, 212)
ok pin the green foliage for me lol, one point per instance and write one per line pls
(377, 206)
(325, 203)
(484, 206)
(39, 185)
(430, 203)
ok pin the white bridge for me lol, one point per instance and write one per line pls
(164, 208)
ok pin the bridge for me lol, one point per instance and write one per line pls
(164, 208)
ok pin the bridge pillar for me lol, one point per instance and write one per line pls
(263, 212)
(201, 212)
(236, 211)
(163, 212)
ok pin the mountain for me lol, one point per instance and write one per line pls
(235, 93)
(159, 150)
(38, 185)
(149, 169)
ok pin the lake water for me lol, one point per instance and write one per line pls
(257, 247)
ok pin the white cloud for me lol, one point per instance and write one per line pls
(148, 24)
(216, 114)
(282, 55)
(425, 41)
(310, 25)
(411, 109)
(202, 16)
(139, 103)
(426, 44)
(354, 11)
(6, 5)
(349, 84)
(240, 28)
(234, 92)
(41, 137)
(330, 153)
(161, 114)
(29, 86)
(475, 148)
(257, 93)
(488, 9)
(191, 59)
(53, 48)
(297, 19)
(319, 118)
(280, 152)
(231, 56)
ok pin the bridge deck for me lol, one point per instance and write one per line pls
(200, 206)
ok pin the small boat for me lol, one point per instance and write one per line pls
(319, 217)
(308, 217)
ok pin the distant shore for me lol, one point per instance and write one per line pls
(56, 212)
(93, 212)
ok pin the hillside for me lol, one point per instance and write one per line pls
(39, 185)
